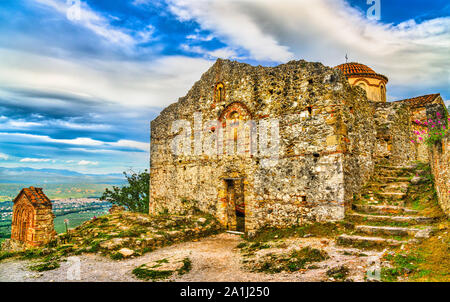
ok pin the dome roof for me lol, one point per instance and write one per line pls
(354, 69)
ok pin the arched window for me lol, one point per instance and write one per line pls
(383, 93)
(237, 132)
(219, 92)
(362, 85)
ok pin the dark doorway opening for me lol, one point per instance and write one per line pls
(235, 205)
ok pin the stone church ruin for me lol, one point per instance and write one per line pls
(331, 126)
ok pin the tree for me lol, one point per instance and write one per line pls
(135, 196)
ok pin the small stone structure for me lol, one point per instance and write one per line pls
(32, 220)
(334, 124)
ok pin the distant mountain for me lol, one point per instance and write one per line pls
(53, 176)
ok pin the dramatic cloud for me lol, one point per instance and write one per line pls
(229, 22)
(83, 91)
(411, 54)
(138, 84)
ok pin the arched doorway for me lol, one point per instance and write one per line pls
(235, 206)
(24, 223)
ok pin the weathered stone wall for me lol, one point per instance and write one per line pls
(359, 143)
(393, 132)
(326, 135)
(421, 150)
(439, 155)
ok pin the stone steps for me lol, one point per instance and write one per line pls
(390, 219)
(392, 195)
(386, 230)
(382, 209)
(401, 168)
(393, 231)
(391, 179)
(367, 242)
(400, 184)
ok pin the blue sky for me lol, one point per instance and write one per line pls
(79, 94)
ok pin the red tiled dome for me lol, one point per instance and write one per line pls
(356, 69)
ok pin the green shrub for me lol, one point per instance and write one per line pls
(135, 196)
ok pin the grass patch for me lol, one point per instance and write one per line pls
(292, 262)
(241, 245)
(422, 196)
(338, 273)
(45, 266)
(428, 261)
(186, 268)
(31, 254)
(116, 256)
(148, 274)
(328, 230)
(5, 255)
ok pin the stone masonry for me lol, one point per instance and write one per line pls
(325, 154)
(393, 126)
(439, 155)
(32, 220)
(275, 146)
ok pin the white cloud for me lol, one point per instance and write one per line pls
(79, 126)
(93, 21)
(146, 35)
(229, 22)
(35, 160)
(23, 124)
(87, 162)
(6, 123)
(138, 84)
(4, 156)
(80, 141)
(224, 53)
(131, 144)
(198, 37)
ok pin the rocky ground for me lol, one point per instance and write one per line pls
(215, 258)
(396, 232)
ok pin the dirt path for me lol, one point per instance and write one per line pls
(214, 258)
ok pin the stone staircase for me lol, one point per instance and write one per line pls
(380, 216)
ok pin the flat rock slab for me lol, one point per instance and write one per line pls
(383, 209)
(393, 195)
(394, 178)
(387, 230)
(366, 242)
(126, 252)
(383, 218)
(166, 264)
